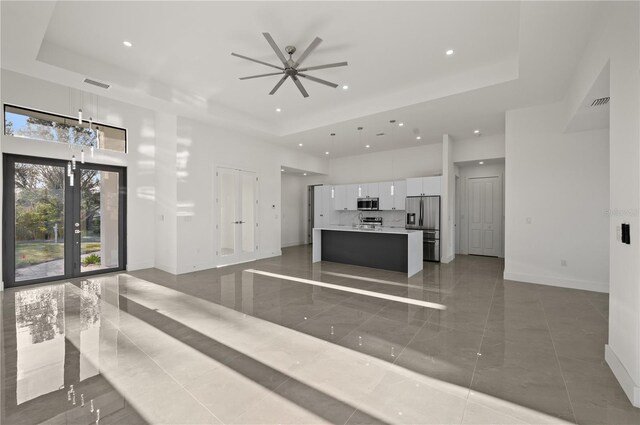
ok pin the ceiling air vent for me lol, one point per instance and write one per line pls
(601, 101)
(96, 83)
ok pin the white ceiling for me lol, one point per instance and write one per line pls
(507, 54)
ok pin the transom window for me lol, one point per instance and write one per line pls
(37, 125)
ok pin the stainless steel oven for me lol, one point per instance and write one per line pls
(368, 204)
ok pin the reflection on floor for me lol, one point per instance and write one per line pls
(291, 345)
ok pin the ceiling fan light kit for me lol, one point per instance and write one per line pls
(291, 68)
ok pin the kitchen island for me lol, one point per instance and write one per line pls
(386, 248)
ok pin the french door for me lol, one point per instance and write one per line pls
(237, 215)
(60, 222)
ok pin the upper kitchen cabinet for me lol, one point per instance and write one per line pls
(399, 194)
(368, 190)
(352, 197)
(385, 196)
(392, 195)
(323, 206)
(340, 200)
(423, 186)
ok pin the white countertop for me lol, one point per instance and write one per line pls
(392, 230)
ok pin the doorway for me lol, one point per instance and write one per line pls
(485, 212)
(62, 220)
(237, 215)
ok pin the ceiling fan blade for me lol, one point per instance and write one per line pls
(318, 80)
(256, 60)
(261, 75)
(282, 80)
(304, 54)
(300, 86)
(275, 48)
(331, 65)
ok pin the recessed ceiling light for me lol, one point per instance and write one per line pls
(367, 146)
(449, 52)
(345, 87)
(326, 153)
(304, 174)
(481, 162)
(127, 43)
(418, 137)
(282, 169)
(278, 110)
(299, 144)
(400, 124)
(476, 131)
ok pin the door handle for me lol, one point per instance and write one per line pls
(76, 232)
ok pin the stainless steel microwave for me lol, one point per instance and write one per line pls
(368, 204)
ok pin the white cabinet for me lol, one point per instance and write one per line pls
(431, 185)
(423, 186)
(323, 206)
(385, 196)
(340, 199)
(352, 197)
(327, 204)
(392, 199)
(399, 195)
(414, 186)
(372, 190)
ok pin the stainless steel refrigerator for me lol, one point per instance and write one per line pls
(423, 213)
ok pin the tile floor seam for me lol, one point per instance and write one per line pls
(484, 330)
(171, 376)
(426, 322)
(350, 416)
(606, 319)
(553, 344)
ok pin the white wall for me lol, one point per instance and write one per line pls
(294, 206)
(447, 207)
(201, 149)
(617, 40)
(561, 182)
(466, 173)
(483, 147)
(30, 92)
(397, 164)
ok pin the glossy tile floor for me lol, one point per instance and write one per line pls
(262, 343)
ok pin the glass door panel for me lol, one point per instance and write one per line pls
(228, 222)
(61, 221)
(236, 215)
(39, 218)
(99, 219)
(248, 211)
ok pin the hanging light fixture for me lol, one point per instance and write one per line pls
(73, 162)
(393, 183)
(79, 116)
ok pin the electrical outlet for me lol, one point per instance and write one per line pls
(563, 263)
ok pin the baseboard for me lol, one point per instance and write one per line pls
(557, 281)
(139, 266)
(626, 381)
(287, 245)
(447, 259)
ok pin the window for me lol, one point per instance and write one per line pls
(37, 125)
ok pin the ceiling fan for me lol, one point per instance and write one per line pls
(291, 68)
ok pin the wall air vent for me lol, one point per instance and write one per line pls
(96, 83)
(601, 101)
(380, 134)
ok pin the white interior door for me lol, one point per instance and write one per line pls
(237, 215)
(484, 216)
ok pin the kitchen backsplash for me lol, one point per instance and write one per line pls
(389, 218)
